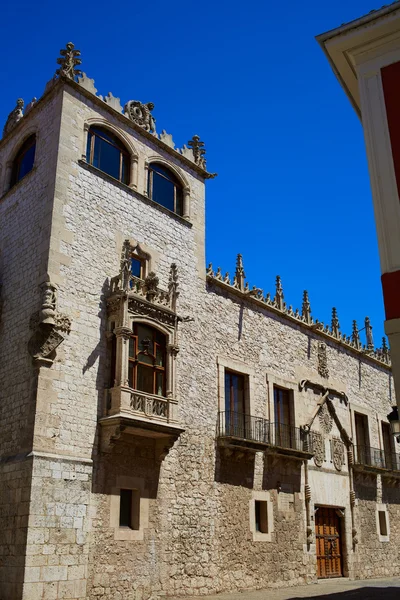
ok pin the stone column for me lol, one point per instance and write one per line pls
(122, 335)
(186, 203)
(85, 139)
(133, 177)
(146, 178)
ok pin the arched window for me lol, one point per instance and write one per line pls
(23, 162)
(108, 154)
(147, 352)
(165, 188)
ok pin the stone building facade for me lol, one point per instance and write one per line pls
(165, 428)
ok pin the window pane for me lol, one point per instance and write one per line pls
(179, 201)
(163, 191)
(145, 379)
(159, 356)
(26, 162)
(107, 156)
(146, 359)
(125, 508)
(136, 267)
(131, 370)
(132, 353)
(164, 171)
(160, 383)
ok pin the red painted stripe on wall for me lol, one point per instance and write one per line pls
(391, 294)
(391, 90)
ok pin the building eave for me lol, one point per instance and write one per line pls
(344, 45)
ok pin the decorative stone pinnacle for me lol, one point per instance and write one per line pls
(239, 274)
(306, 308)
(68, 62)
(199, 151)
(335, 326)
(14, 117)
(368, 333)
(279, 300)
(355, 336)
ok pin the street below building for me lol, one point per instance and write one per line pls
(329, 589)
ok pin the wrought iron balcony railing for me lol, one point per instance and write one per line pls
(256, 429)
(376, 458)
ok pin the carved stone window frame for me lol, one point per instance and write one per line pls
(236, 366)
(8, 165)
(135, 484)
(124, 139)
(276, 381)
(262, 496)
(178, 174)
(382, 508)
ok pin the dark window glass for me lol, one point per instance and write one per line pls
(382, 522)
(23, 162)
(146, 370)
(165, 189)
(107, 153)
(234, 392)
(261, 515)
(125, 508)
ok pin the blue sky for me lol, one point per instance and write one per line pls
(292, 192)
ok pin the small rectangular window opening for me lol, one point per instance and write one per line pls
(129, 507)
(382, 522)
(261, 514)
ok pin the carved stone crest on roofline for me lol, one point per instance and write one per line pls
(140, 114)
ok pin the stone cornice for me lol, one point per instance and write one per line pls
(276, 305)
(65, 82)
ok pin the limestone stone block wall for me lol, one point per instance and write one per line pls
(25, 217)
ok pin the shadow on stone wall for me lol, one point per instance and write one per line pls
(390, 495)
(367, 593)
(234, 468)
(281, 472)
(365, 487)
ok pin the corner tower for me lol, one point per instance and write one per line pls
(102, 253)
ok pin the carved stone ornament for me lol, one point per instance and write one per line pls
(318, 444)
(14, 117)
(322, 360)
(68, 62)
(48, 325)
(141, 115)
(157, 313)
(325, 419)
(337, 453)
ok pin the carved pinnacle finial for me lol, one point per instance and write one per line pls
(355, 335)
(368, 333)
(68, 62)
(335, 325)
(240, 276)
(385, 351)
(279, 299)
(14, 117)
(199, 151)
(306, 308)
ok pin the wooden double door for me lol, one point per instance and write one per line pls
(328, 542)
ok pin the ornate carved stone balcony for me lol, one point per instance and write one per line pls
(246, 432)
(139, 414)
